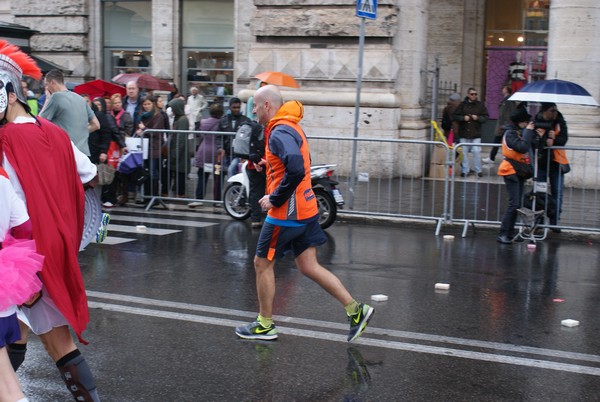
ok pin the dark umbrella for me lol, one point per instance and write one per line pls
(144, 81)
(555, 91)
(99, 88)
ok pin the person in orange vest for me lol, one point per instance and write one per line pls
(292, 217)
(552, 125)
(517, 143)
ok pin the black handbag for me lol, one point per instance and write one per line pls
(524, 170)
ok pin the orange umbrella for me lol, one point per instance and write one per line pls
(278, 78)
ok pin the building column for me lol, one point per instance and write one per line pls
(165, 39)
(473, 20)
(410, 50)
(574, 55)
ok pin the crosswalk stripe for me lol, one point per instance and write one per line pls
(188, 213)
(112, 240)
(133, 229)
(143, 219)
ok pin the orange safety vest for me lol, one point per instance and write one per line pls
(302, 204)
(559, 155)
(505, 168)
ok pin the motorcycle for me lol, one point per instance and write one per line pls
(236, 195)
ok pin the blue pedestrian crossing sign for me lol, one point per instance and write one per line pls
(366, 9)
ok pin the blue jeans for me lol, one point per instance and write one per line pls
(232, 166)
(476, 150)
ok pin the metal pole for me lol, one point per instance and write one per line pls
(361, 45)
(435, 93)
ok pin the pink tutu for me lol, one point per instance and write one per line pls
(19, 264)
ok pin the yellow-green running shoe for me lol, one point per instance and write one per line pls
(255, 330)
(359, 321)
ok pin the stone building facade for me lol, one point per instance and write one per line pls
(316, 41)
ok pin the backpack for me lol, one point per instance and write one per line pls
(249, 141)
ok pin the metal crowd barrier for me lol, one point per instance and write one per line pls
(483, 200)
(387, 185)
(171, 170)
(394, 178)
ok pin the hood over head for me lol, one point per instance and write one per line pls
(291, 111)
(177, 106)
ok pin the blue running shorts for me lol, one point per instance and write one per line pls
(275, 241)
(9, 330)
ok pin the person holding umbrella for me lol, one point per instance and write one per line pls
(552, 164)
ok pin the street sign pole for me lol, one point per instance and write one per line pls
(361, 45)
(364, 9)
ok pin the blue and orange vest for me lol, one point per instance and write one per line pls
(302, 204)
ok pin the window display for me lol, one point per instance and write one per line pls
(211, 72)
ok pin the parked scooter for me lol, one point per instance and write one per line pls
(236, 196)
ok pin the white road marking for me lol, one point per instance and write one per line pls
(147, 219)
(112, 240)
(365, 339)
(189, 214)
(147, 231)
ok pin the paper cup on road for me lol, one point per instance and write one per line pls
(140, 228)
(379, 298)
(569, 323)
(442, 286)
(448, 237)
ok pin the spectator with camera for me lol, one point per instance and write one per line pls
(552, 163)
(518, 141)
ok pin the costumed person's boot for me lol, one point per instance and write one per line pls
(16, 354)
(78, 377)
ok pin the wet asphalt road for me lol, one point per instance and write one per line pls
(164, 304)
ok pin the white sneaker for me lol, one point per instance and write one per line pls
(107, 204)
(195, 204)
(487, 161)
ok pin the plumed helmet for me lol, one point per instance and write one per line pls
(13, 64)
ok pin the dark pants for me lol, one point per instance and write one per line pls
(258, 183)
(494, 151)
(151, 185)
(555, 176)
(203, 179)
(178, 179)
(514, 186)
(109, 191)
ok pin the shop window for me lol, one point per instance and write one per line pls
(211, 72)
(130, 61)
(516, 46)
(127, 37)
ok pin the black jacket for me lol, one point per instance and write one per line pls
(472, 128)
(230, 123)
(99, 140)
(559, 141)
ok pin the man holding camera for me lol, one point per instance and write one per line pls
(552, 163)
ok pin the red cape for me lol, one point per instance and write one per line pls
(43, 159)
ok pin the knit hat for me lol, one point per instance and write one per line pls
(454, 97)
(520, 115)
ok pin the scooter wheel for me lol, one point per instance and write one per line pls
(236, 202)
(327, 208)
